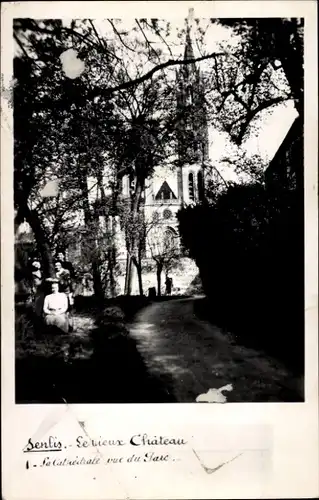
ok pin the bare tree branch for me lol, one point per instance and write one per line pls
(24, 50)
(160, 36)
(120, 36)
(147, 40)
(253, 112)
(149, 74)
(100, 41)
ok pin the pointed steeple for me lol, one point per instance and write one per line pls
(189, 69)
(192, 130)
(188, 53)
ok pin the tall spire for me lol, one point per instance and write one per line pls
(192, 132)
(189, 53)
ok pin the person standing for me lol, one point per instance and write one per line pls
(37, 288)
(65, 263)
(36, 276)
(64, 279)
(168, 284)
(63, 276)
(87, 283)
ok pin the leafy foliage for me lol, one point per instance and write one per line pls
(119, 116)
(247, 264)
(262, 69)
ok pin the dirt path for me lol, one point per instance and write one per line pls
(197, 356)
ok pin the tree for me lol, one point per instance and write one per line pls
(137, 132)
(83, 36)
(134, 228)
(61, 144)
(144, 146)
(251, 267)
(66, 148)
(268, 71)
(239, 72)
(163, 250)
(26, 130)
(123, 101)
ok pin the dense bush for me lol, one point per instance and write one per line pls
(249, 249)
(24, 323)
(100, 364)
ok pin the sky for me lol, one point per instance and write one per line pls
(272, 125)
(273, 129)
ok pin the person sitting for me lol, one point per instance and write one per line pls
(55, 309)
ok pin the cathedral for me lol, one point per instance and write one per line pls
(183, 183)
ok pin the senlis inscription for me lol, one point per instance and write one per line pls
(51, 444)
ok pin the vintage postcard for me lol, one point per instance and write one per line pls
(159, 250)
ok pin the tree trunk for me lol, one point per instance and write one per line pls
(159, 270)
(97, 282)
(135, 208)
(113, 252)
(289, 45)
(108, 214)
(139, 270)
(111, 270)
(90, 224)
(128, 275)
(140, 281)
(138, 267)
(41, 239)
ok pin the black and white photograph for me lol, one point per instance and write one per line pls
(159, 209)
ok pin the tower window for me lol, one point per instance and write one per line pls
(191, 192)
(200, 183)
(132, 184)
(189, 96)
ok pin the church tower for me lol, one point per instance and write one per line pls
(182, 184)
(172, 187)
(192, 130)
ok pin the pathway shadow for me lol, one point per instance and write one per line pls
(99, 369)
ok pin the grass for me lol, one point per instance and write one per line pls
(98, 363)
